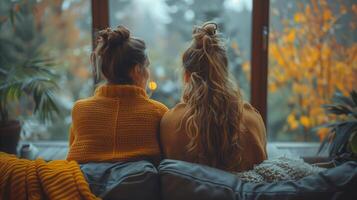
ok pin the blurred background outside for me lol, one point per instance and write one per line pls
(312, 53)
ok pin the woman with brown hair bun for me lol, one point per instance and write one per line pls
(212, 125)
(120, 122)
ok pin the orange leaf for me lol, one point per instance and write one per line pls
(322, 132)
(327, 15)
(305, 121)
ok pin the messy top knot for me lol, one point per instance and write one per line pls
(206, 53)
(205, 37)
(114, 37)
(213, 102)
(116, 53)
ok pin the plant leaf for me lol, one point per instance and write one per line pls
(354, 97)
(353, 142)
(337, 109)
(48, 107)
(342, 134)
(340, 99)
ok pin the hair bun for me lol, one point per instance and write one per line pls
(210, 28)
(119, 35)
(205, 36)
(114, 37)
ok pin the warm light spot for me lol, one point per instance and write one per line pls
(299, 17)
(152, 85)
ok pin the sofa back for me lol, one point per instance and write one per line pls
(179, 180)
(188, 181)
(123, 180)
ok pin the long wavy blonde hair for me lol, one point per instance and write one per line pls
(214, 104)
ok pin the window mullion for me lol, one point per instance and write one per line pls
(259, 59)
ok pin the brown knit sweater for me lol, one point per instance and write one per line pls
(252, 138)
(118, 123)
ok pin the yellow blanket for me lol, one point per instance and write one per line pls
(27, 179)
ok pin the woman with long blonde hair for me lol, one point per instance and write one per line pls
(212, 125)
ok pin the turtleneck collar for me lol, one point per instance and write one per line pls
(120, 91)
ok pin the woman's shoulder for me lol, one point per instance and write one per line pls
(179, 107)
(251, 118)
(250, 113)
(247, 107)
(174, 114)
(177, 110)
(83, 102)
(253, 122)
(160, 107)
(82, 106)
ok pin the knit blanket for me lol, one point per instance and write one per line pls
(279, 169)
(37, 179)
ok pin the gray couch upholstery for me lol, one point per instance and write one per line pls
(178, 180)
(188, 181)
(123, 180)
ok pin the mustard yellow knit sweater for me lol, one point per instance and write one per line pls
(118, 123)
(34, 180)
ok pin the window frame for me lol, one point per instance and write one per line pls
(259, 58)
(260, 41)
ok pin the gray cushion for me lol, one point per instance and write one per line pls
(188, 181)
(123, 180)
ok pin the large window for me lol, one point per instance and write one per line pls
(61, 32)
(166, 27)
(312, 55)
(312, 52)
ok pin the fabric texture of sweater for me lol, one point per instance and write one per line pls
(118, 123)
(252, 139)
(36, 179)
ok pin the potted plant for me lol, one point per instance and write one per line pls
(341, 139)
(26, 76)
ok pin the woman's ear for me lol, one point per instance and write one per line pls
(186, 76)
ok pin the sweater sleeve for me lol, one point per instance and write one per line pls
(256, 127)
(263, 134)
(163, 109)
(72, 132)
(71, 136)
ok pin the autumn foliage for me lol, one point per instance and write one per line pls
(314, 54)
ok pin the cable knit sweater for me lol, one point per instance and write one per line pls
(36, 179)
(118, 123)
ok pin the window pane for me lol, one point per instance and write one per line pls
(312, 54)
(166, 27)
(55, 30)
